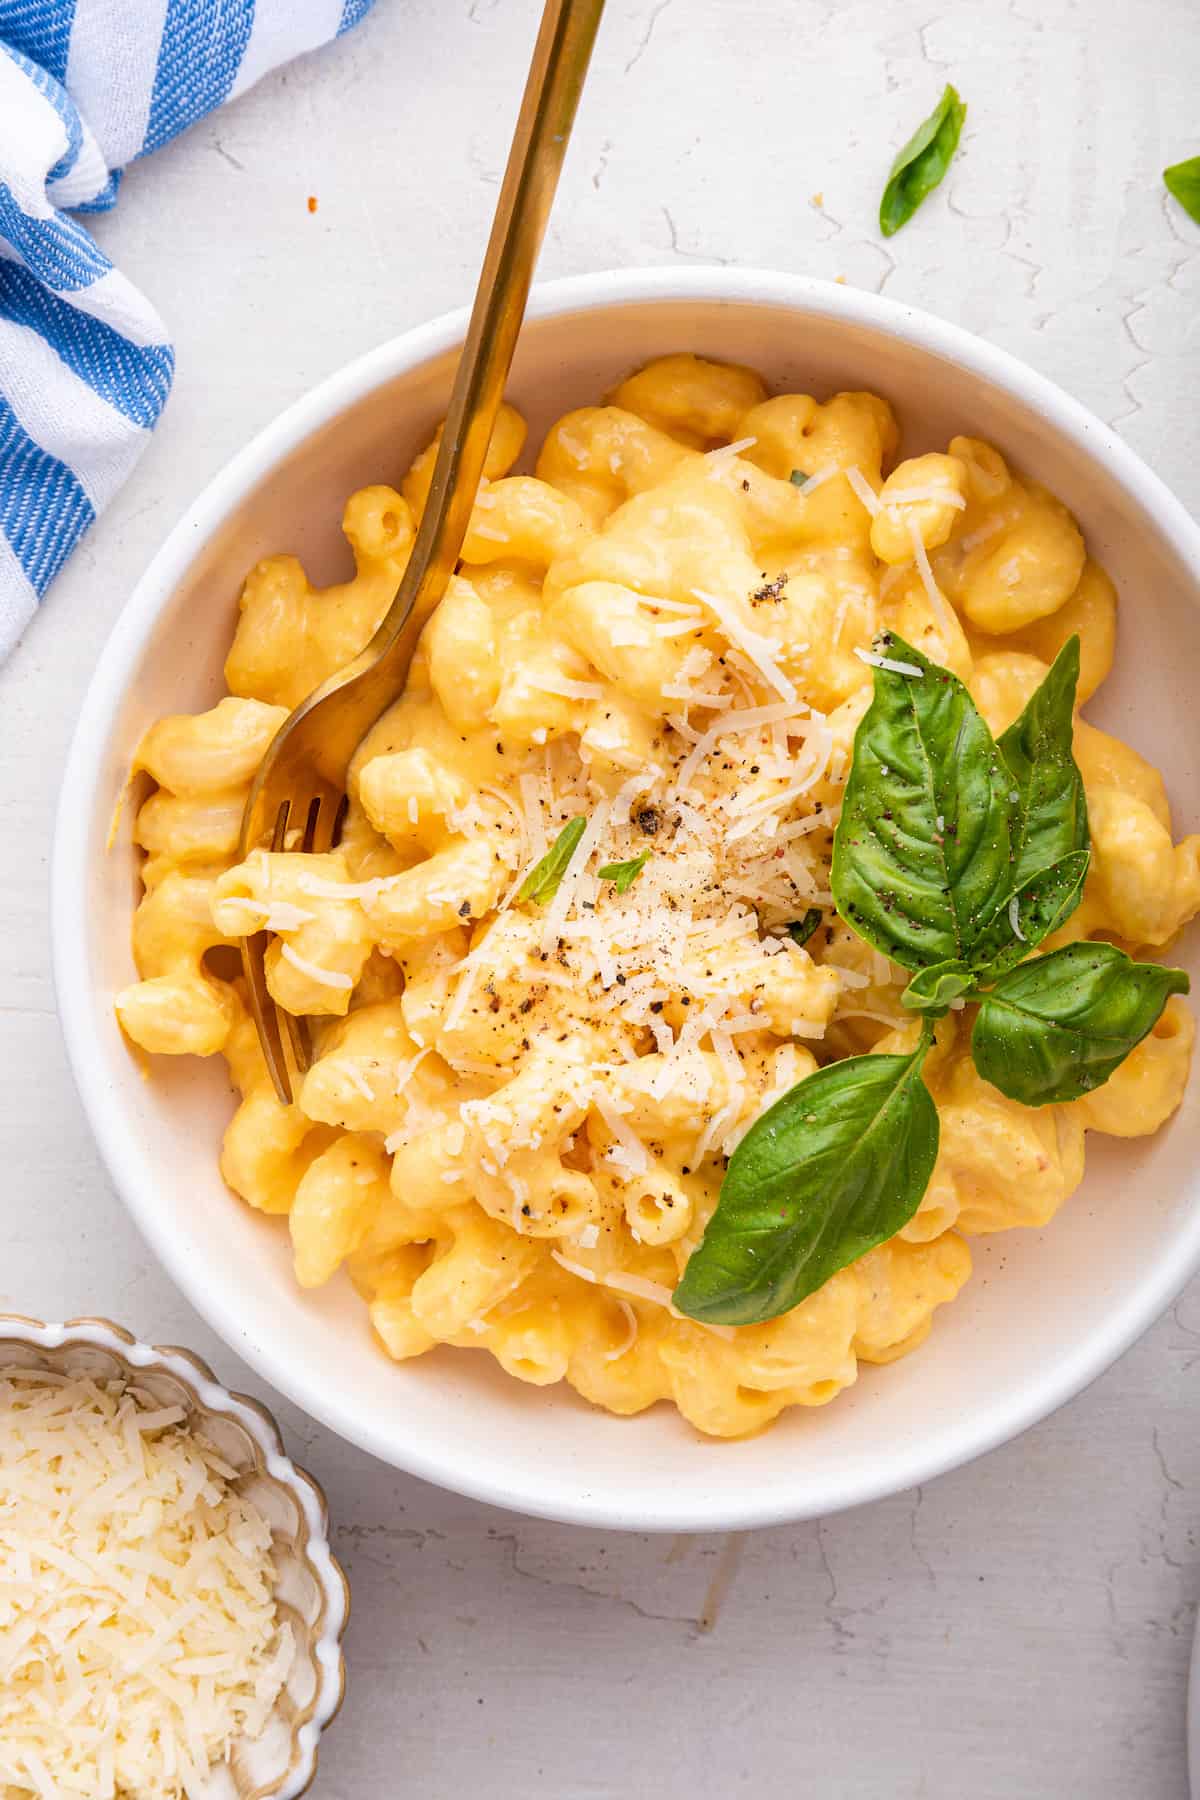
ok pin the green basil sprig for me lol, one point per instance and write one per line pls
(955, 856)
(834, 1168)
(922, 163)
(542, 882)
(1183, 180)
(922, 855)
(1048, 898)
(1037, 750)
(624, 874)
(932, 990)
(1058, 1026)
(800, 930)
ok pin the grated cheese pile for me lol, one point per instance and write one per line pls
(733, 855)
(138, 1629)
(735, 819)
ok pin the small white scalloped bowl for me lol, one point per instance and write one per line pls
(1045, 1311)
(312, 1593)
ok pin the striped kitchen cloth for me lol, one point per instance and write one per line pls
(85, 361)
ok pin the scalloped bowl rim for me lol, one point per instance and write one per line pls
(901, 1465)
(260, 1424)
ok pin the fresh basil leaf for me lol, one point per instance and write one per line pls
(624, 874)
(1052, 819)
(541, 883)
(1183, 180)
(921, 854)
(835, 1167)
(920, 166)
(1058, 1026)
(800, 930)
(931, 990)
(1032, 913)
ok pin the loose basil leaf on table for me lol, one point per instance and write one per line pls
(1052, 819)
(1183, 181)
(834, 1168)
(624, 874)
(922, 163)
(1048, 897)
(800, 930)
(542, 882)
(931, 990)
(1056, 1027)
(922, 851)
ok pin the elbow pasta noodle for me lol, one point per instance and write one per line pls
(519, 1115)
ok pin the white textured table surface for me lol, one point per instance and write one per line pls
(1023, 1626)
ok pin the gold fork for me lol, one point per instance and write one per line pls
(299, 792)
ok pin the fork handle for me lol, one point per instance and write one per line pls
(556, 76)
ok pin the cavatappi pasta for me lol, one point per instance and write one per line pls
(519, 1115)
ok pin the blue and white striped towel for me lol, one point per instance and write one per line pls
(85, 361)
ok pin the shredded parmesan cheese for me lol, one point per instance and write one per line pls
(639, 1286)
(849, 978)
(915, 495)
(1014, 918)
(321, 889)
(407, 1070)
(628, 1152)
(973, 539)
(670, 628)
(567, 689)
(726, 452)
(358, 1080)
(660, 603)
(936, 598)
(888, 662)
(326, 977)
(680, 690)
(138, 1630)
(276, 915)
(759, 649)
(631, 1332)
(862, 487)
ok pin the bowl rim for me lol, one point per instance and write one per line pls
(211, 1397)
(905, 1466)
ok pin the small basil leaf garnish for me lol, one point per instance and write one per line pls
(1058, 1026)
(624, 874)
(1052, 819)
(834, 1168)
(921, 854)
(1032, 913)
(920, 166)
(1183, 180)
(541, 883)
(931, 990)
(800, 930)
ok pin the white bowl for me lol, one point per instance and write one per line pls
(311, 1592)
(1044, 1313)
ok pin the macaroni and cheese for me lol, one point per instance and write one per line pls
(519, 1112)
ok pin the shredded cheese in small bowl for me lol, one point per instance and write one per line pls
(170, 1611)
